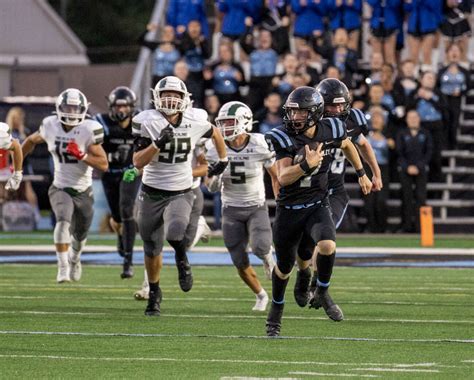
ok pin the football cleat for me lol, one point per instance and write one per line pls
(153, 306)
(301, 290)
(185, 276)
(268, 265)
(127, 271)
(142, 294)
(75, 270)
(322, 299)
(261, 303)
(273, 324)
(63, 274)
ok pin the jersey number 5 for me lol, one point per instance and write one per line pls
(176, 151)
(235, 175)
(63, 156)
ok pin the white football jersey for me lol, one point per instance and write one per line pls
(170, 169)
(68, 170)
(242, 180)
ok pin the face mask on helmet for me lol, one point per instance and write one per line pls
(121, 102)
(234, 119)
(71, 107)
(170, 96)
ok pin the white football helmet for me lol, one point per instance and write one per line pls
(234, 118)
(170, 105)
(5, 136)
(71, 107)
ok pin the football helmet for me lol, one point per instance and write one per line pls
(170, 105)
(121, 96)
(233, 119)
(71, 107)
(335, 93)
(5, 136)
(302, 99)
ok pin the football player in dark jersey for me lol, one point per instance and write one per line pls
(337, 104)
(304, 147)
(118, 144)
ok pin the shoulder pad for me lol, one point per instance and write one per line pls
(336, 126)
(358, 117)
(198, 114)
(278, 139)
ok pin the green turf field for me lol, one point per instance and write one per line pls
(351, 240)
(400, 324)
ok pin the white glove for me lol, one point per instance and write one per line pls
(214, 183)
(14, 181)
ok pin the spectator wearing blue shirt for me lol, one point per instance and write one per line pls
(309, 18)
(263, 64)
(181, 12)
(453, 82)
(233, 13)
(165, 52)
(424, 18)
(432, 109)
(346, 14)
(376, 202)
(414, 146)
(384, 25)
(195, 49)
(225, 76)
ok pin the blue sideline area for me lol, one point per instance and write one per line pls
(223, 258)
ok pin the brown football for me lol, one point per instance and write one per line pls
(301, 154)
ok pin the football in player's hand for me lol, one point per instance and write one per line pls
(301, 154)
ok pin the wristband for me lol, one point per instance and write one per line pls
(360, 172)
(305, 167)
(224, 159)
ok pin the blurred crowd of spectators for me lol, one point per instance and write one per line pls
(260, 50)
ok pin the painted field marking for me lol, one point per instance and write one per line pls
(330, 374)
(164, 335)
(233, 316)
(238, 361)
(243, 299)
(396, 370)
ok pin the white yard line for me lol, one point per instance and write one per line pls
(396, 370)
(239, 361)
(233, 316)
(231, 337)
(330, 374)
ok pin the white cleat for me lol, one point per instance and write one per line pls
(75, 271)
(268, 265)
(142, 294)
(63, 274)
(261, 303)
(206, 230)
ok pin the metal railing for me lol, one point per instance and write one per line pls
(141, 80)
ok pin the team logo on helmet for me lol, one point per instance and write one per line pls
(71, 107)
(234, 118)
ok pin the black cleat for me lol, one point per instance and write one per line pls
(185, 276)
(153, 307)
(322, 298)
(301, 290)
(127, 271)
(273, 324)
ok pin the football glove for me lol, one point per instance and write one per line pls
(73, 149)
(218, 167)
(166, 136)
(130, 175)
(14, 181)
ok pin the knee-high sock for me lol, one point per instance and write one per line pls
(278, 288)
(128, 235)
(179, 247)
(324, 264)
